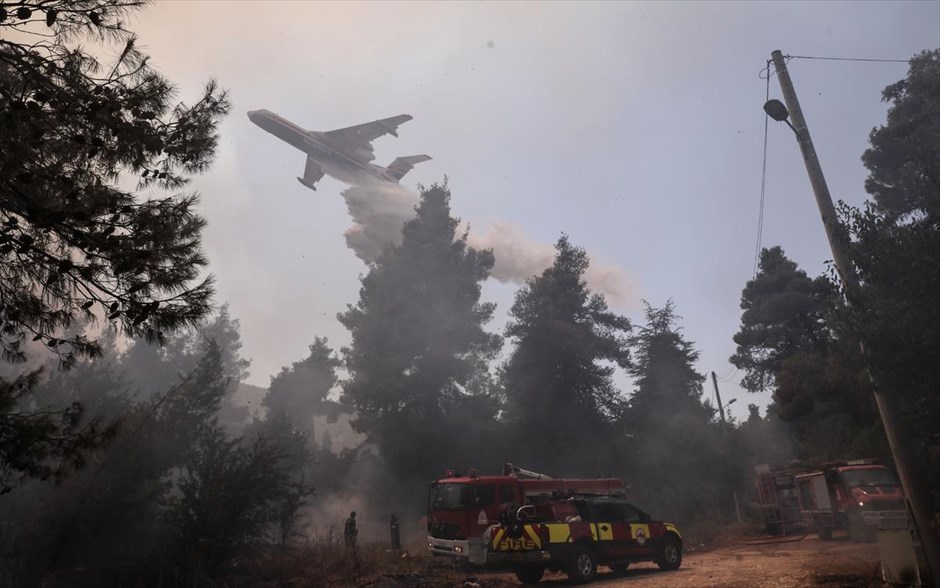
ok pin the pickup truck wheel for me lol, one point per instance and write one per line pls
(582, 567)
(670, 555)
(529, 574)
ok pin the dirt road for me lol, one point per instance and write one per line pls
(799, 563)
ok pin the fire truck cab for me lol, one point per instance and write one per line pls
(850, 495)
(462, 507)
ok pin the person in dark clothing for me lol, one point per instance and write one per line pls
(395, 531)
(350, 531)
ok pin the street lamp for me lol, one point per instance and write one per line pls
(777, 110)
(724, 408)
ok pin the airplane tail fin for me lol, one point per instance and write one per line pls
(402, 165)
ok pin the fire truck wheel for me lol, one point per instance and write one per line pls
(529, 574)
(859, 531)
(582, 567)
(670, 555)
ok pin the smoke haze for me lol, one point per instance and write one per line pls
(379, 210)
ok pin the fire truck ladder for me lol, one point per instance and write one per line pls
(767, 495)
(511, 470)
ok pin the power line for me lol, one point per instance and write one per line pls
(729, 376)
(763, 180)
(870, 60)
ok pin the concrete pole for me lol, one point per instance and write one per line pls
(910, 471)
(721, 409)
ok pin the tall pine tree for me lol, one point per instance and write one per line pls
(560, 394)
(418, 344)
(678, 465)
(75, 243)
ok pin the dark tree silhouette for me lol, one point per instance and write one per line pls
(784, 314)
(75, 244)
(560, 395)
(418, 342)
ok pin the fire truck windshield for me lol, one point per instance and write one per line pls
(869, 477)
(450, 496)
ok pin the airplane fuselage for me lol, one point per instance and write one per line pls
(349, 167)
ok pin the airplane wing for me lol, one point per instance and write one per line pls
(402, 165)
(360, 135)
(312, 174)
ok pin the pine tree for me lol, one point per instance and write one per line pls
(75, 245)
(298, 392)
(560, 395)
(784, 313)
(678, 451)
(418, 342)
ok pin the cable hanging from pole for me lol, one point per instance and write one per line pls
(763, 180)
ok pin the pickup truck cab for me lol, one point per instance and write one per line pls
(577, 535)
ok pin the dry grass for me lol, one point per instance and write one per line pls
(325, 563)
(704, 536)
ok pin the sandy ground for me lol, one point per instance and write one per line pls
(794, 563)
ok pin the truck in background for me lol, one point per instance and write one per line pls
(846, 495)
(778, 499)
(851, 496)
(462, 507)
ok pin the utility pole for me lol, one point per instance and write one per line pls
(913, 481)
(721, 410)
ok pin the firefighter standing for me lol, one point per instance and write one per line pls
(395, 531)
(350, 531)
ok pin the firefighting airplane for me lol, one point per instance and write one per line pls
(344, 154)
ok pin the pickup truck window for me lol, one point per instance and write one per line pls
(629, 513)
(605, 511)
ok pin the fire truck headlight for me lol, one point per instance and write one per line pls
(430, 545)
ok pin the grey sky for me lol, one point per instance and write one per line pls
(635, 128)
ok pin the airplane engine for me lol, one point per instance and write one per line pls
(364, 153)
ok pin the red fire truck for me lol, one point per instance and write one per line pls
(850, 495)
(846, 495)
(461, 507)
(779, 498)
